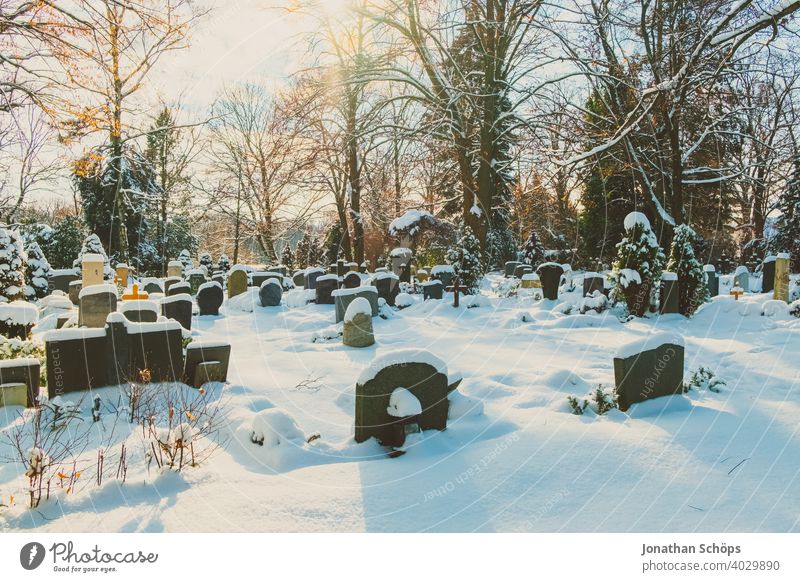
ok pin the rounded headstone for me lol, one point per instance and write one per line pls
(270, 293)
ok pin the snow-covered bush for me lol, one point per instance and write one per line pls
(185, 257)
(639, 264)
(287, 257)
(37, 272)
(224, 263)
(12, 266)
(533, 252)
(600, 401)
(13, 348)
(404, 300)
(703, 379)
(596, 302)
(692, 289)
(17, 318)
(273, 428)
(467, 261)
(92, 245)
(206, 261)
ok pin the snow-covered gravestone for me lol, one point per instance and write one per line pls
(237, 282)
(179, 288)
(342, 298)
(782, 264)
(400, 257)
(592, 282)
(206, 362)
(668, 297)
(17, 318)
(209, 298)
(550, 275)
(351, 280)
(326, 285)
(388, 286)
(357, 331)
(270, 293)
(741, 278)
(121, 274)
(139, 311)
(61, 278)
(510, 267)
(444, 273)
(312, 274)
(175, 269)
(522, 270)
(19, 382)
(768, 274)
(179, 308)
(299, 279)
(95, 303)
(92, 269)
(432, 290)
(419, 372)
(712, 280)
(195, 278)
(648, 369)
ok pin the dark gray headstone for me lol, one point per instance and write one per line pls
(299, 279)
(712, 281)
(592, 282)
(61, 280)
(199, 352)
(325, 285)
(209, 299)
(669, 296)
(342, 298)
(219, 278)
(169, 282)
(444, 275)
(179, 288)
(432, 290)
(143, 312)
(270, 293)
(195, 280)
(352, 280)
(520, 270)
(649, 374)
(179, 308)
(22, 371)
(550, 276)
(510, 267)
(260, 276)
(372, 400)
(341, 267)
(311, 277)
(75, 291)
(405, 273)
(388, 286)
(768, 275)
(153, 287)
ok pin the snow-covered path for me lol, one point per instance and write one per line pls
(727, 461)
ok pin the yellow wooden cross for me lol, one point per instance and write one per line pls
(134, 294)
(737, 292)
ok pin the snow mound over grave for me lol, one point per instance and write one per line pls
(659, 406)
(245, 302)
(402, 356)
(566, 380)
(273, 428)
(298, 298)
(403, 403)
(359, 305)
(19, 313)
(462, 406)
(635, 218)
(775, 308)
(404, 300)
(650, 342)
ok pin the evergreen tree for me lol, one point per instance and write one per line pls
(287, 258)
(692, 289)
(639, 264)
(333, 244)
(224, 263)
(179, 237)
(37, 272)
(533, 251)
(64, 242)
(500, 247)
(92, 245)
(303, 252)
(12, 266)
(787, 237)
(206, 261)
(185, 257)
(467, 262)
(725, 265)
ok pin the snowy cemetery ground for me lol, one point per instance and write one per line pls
(514, 456)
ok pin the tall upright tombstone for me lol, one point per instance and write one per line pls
(75, 291)
(668, 299)
(326, 284)
(209, 298)
(179, 308)
(95, 304)
(121, 275)
(741, 278)
(351, 280)
(550, 275)
(388, 286)
(712, 280)
(237, 282)
(768, 274)
(92, 269)
(443, 273)
(592, 282)
(195, 278)
(399, 257)
(312, 274)
(175, 269)
(649, 369)
(510, 266)
(782, 265)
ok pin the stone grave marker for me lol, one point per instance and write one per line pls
(195, 278)
(341, 267)
(209, 298)
(420, 373)
(299, 279)
(19, 382)
(175, 269)
(139, 311)
(550, 275)
(510, 267)
(237, 282)
(206, 362)
(712, 281)
(400, 256)
(179, 288)
(649, 369)
(270, 293)
(343, 297)
(388, 286)
(433, 289)
(92, 269)
(121, 275)
(768, 274)
(668, 297)
(325, 285)
(357, 331)
(312, 275)
(60, 279)
(444, 273)
(521, 270)
(95, 303)
(259, 277)
(741, 278)
(782, 265)
(75, 291)
(352, 280)
(169, 282)
(421, 276)
(219, 278)
(531, 281)
(592, 282)
(153, 286)
(179, 308)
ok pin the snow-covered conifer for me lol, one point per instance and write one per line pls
(639, 264)
(37, 272)
(466, 259)
(692, 289)
(12, 266)
(533, 251)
